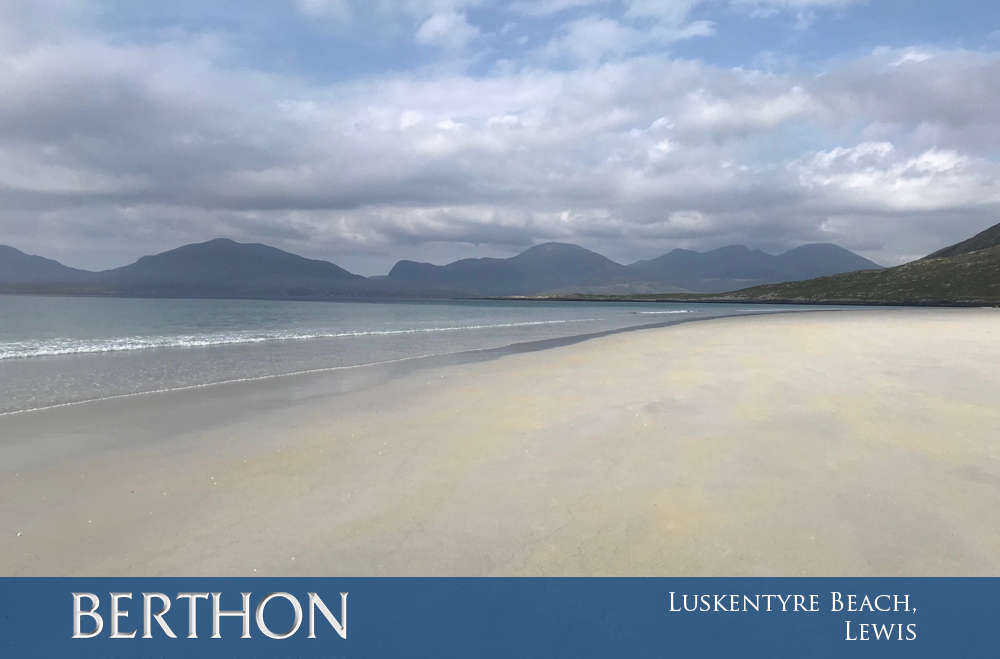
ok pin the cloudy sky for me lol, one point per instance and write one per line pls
(367, 131)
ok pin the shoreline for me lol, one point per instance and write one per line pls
(775, 444)
(709, 298)
(418, 361)
(805, 302)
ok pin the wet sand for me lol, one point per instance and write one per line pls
(832, 443)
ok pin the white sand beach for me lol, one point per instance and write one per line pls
(822, 443)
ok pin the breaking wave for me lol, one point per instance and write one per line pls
(64, 346)
(656, 313)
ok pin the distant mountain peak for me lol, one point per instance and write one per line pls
(222, 243)
(23, 268)
(560, 251)
(223, 261)
(809, 247)
(551, 266)
(553, 246)
(967, 273)
(822, 248)
(737, 266)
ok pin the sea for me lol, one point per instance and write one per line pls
(57, 351)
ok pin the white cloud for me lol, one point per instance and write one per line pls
(593, 39)
(549, 7)
(876, 176)
(338, 10)
(724, 111)
(673, 12)
(911, 55)
(626, 149)
(448, 29)
(765, 7)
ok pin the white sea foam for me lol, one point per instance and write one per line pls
(69, 346)
(656, 313)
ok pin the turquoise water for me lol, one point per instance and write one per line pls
(56, 350)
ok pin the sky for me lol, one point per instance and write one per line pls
(367, 132)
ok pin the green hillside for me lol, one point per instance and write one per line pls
(967, 273)
(967, 277)
(982, 240)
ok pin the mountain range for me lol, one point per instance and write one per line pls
(964, 273)
(560, 267)
(728, 268)
(225, 268)
(546, 267)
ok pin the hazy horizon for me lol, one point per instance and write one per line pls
(377, 274)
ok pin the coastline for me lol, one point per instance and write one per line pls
(725, 298)
(780, 443)
(404, 363)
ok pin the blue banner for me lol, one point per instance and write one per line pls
(360, 618)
